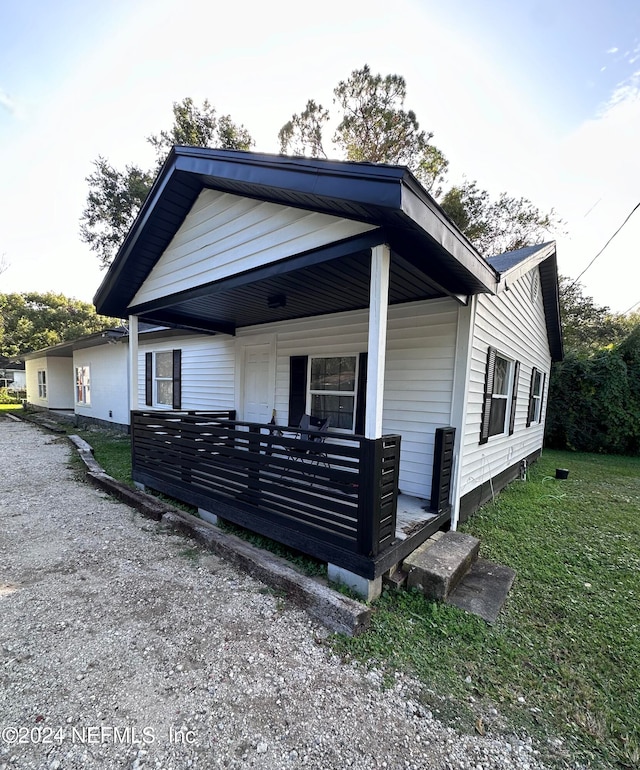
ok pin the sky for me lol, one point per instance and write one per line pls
(536, 98)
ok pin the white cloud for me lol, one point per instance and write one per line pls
(10, 104)
(613, 50)
(595, 184)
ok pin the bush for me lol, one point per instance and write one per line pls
(10, 396)
(594, 401)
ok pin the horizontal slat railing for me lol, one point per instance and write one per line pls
(342, 490)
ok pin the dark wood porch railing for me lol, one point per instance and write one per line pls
(340, 492)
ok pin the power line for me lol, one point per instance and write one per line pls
(629, 309)
(637, 206)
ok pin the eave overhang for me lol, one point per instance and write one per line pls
(388, 197)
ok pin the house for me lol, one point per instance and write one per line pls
(89, 376)
(341, 291)
(12, 374)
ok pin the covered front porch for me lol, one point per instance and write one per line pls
(335, 499)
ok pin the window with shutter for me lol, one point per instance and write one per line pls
(498, 409)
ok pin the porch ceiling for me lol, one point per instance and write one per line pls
(331, 286)
(429, 251)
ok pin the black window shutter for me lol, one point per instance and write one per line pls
(542, 381)
(297, 388)
(177, 379)
(532, 406)
(148, 379)
(488, 393)
(361, 393)
(514, 397)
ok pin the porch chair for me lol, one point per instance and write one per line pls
(306, 429)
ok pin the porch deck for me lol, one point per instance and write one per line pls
(336, 501)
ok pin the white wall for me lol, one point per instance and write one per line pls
(108, 384)
(225, 234)
(418, 377)
(60, 383)
(208, 370)
(515, 325)
(32, 367)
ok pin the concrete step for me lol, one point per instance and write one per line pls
(437, 566)
(483, 590)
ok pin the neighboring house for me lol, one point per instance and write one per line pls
(339, 290)
(12, 374)
(89, 375)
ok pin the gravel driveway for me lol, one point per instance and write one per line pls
(123, 645)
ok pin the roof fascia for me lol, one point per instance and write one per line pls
(425, 212)
(119, 263)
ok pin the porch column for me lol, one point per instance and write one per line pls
(377, 346)
(133, 362)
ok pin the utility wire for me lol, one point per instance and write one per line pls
(637, 206)
(629, 309)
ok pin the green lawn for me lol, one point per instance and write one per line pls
(563, 661)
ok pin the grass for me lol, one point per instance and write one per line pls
(11, 408)
(563, 661)
(112, 450)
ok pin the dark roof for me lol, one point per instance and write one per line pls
(505, 262)
(65, 349)
(13, 364)
(385, 196)
(512, 264)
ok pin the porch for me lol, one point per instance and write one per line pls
(335, 499)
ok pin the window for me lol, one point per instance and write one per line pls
(535, 397)
(83, 385)
(501, 388)
(163, 378)
(42, 383)
(332, 390)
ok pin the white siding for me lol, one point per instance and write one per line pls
(109, 382)
(60, 383)
(418, 376)
(32, 367)
(208, 370)
(225, 234)
(515, 325)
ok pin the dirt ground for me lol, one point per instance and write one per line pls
(124, 645)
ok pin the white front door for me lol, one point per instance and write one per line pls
(257, 396)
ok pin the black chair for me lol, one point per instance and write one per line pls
(313, 429)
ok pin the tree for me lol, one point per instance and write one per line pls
(302, 135)
(31, 321)
(587, 327)
(496, 226)
(115, 197)
(199, 127)
(373, 126)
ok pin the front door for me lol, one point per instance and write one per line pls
(257, 386)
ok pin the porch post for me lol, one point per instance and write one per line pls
(377, 347)
(133, 363)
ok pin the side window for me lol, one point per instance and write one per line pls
(332, 390)
(536, 391)
(42, 383)
(83, 385)
(501, 386)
